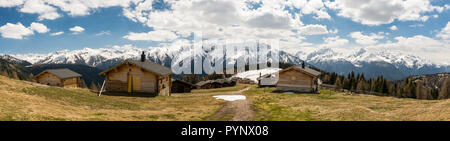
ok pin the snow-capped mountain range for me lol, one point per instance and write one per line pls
(362, 55)
(392, 65)
(106, 57)
(14, 60)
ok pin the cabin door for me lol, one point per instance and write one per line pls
(129, 83)
(136, 83)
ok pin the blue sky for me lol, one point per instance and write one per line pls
(108, 19)
(300, 24)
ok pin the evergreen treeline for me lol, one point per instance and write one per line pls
(406, 88)
(13, 70)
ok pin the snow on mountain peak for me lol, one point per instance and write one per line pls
(165, 55)
(361, 55)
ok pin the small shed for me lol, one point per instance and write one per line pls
(229, 82)
(59, 77)
(142, 76)
(298, 79)
(180, 86)
(207, 84)
(218, 83)
(245, 81)
(267, 80)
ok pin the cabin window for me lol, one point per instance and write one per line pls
(293, 78)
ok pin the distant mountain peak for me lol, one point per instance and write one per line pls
(393, 65)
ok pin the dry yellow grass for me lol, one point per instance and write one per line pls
(221, 90)
(344, 107)
(21, 100)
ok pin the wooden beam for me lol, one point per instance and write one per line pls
(101, 90)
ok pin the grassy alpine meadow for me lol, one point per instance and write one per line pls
(342, 107)
(28, 101)
(24, 101)
(220, 90)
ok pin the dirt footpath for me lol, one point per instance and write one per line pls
(238, 110)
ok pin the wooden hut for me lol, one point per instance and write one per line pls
(207, 84)
(59, 77)
(218, 83)
(245, 81)
(142, 76)
(229, 82)
(298, 79)
(180, 86)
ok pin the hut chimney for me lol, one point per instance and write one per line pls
(303, 65)
(143, 57)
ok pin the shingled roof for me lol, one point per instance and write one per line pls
(146, 65)
(173, 80)
(201, 83)
(61, 73)
(306, 69)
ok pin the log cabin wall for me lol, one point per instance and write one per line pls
(294, 80)
(71, 82)
(49, 79)
(164, 85)
(142, 81)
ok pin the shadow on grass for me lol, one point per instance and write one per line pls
(292, 92)
(133, 94)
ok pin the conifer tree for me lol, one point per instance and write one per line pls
(445, 89)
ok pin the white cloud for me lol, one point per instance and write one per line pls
(44, 10)
(19, 31)
(38, 27)
(416, 25)
(425, 47)
(214, 19)
(335, 41)
(335, 31)
(76, 29)
(103, 33)
(10, 3)
(15, 31)
(393, 27)
(84, 7)
(316, 7)
(366, 39)
(159, 36)
(269, 20)
(56, 33)
(291, 43)
(376, 12)
(314, 29)
(48, 9)
(445, 32)
(220, 19)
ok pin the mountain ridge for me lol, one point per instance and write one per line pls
(393, 65)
